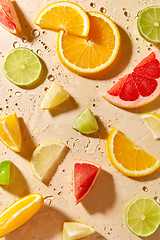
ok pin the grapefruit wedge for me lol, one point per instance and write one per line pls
(139, 87)
(8, 17)
(85, 174)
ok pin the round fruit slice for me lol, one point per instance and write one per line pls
(153, 122)
(94, 54)
(85, 174)
(19, 213)
(75, 230)
(54, 97)
(128, 158)
(148, 23)
(5, 172)
(86, 122)
(67, 16)
(8, 17)
(22, 67)
(140, 87)
(44, 157)
(10, 132)
(142, 216)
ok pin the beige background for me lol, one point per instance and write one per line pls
(104, 207)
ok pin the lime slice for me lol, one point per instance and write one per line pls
(4, 172)
(22, 66)
(142, 216)
(86, 122)
(149, 23)
(153, 122)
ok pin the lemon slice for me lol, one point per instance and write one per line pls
(55, 96)
(44, 157)
(142, 216)
(153, 122)
(22, 67)
(75, 230)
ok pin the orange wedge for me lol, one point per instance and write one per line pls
(94, 54)
(19, 213)
(67, 16)
(10, 133)
(128, 158)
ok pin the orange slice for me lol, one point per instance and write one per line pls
(66, 16)
(10, 133)
(19, 213)
(85, 174)
(94, 54)
(128, 158)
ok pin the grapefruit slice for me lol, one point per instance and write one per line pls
(139, 87)
(8, 17)
(85, 174)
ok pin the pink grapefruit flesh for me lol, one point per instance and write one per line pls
(139, 87)
(85, 174)
(8, 17)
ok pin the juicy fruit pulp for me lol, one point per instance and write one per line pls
(142, 216)
(139, 87)
(8, 17)
(19, 213)
(85, 174)
(153, 122)
(4, 172)
(22, 67)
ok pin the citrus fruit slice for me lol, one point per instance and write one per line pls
(92, 55)
(140, 87)
(86, 122)
(5, 172)
(8, 17)
(54, 96)
(128, 158)
(85, 174)
(44, 157)
(148, 23)
(19, 213)
(22, 66)
(10, 132)
(153, 122)
(76, 230)
(67, 16)
(142, 216)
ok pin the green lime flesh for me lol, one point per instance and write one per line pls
(22, 66)
(5, 172)
(86, 123)
(142, 216)
(148, 24)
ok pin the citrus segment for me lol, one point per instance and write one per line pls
(142, 216)
(85, 174)
(8, 17)
(55, 96)
(67, 16)
(94, 54)
(76, 230)
(86, 122)
(4, 172)
(140, 87)
(10, 133)
(148, 23)
(22, 66)
(19, 213)
(128, 158)
(153, 122)
(44, 157)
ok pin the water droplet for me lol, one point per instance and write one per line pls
(35, 130)
(51, 77)
(38, 51)
(102, 10)
(35, 33)
(157, 199)
(138, 50)
(46, 47)
(15, 44)
(145, 189)
(48, 198)
(92, 4)
(44, 32)
(126, 14)
(24, 39)
(18, 94)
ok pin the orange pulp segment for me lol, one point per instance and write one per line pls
(128, 158)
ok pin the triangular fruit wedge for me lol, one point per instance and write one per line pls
(8, 17)
(85, 174)
(139, 87)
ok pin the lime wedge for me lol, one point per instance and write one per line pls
(148, 23)
(4, 172)
(142, 216)
(22, 66)
(86, 122)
